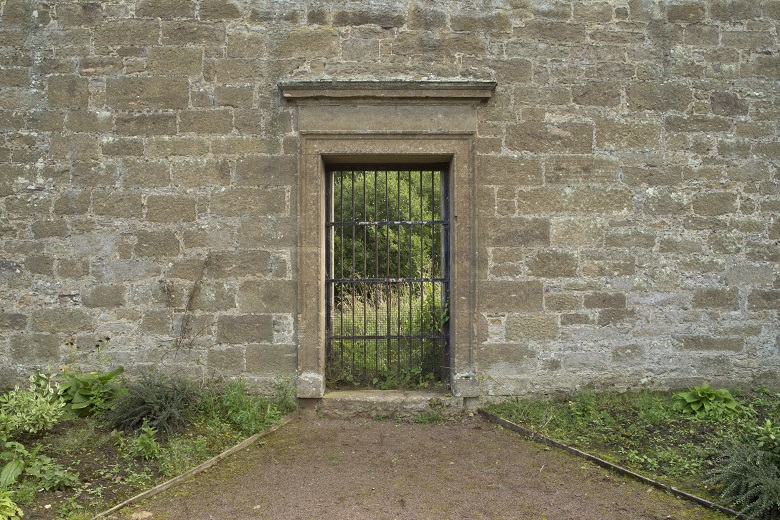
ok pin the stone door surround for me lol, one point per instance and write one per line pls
(346, 122)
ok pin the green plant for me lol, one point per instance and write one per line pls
(49, 475)
(90, 393)
(703, 401)
(248, 413)
(142, 446)
(13, 458)
(32, 410)
(8, 509)
(162, 402)
(766, 437)
(749, 478)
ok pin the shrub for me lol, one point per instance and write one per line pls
(750, 480)
(90, 393)
(30, 411)
(703, 401)
(8, 509)
(162, 402)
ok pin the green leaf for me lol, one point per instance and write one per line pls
(10, 472)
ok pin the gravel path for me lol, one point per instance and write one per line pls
(364, 469)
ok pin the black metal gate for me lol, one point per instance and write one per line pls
(387, 283)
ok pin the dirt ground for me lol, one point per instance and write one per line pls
(365, 469)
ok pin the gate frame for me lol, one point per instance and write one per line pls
(444, 222)
(386, 122)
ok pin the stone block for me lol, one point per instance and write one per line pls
(687, 342)
(306, 43)
(181, 33)
(214, 297)
(206, 121)
(72, 203)
(80, 14)
(514, 232)
(238, 264)
(576, 232)
(103, 296)
(156, 244)
(12, 320)
(170, 208)
(758, 300)
(768, 66)
(200, 173)
(267, 232)
(74, 148)
(385, 18)
(666, 203)
(122, 147)
(588, 200)
(597, 93)
(531, 327)
(631, 353)
(659, 97)
(569, 169)
(122, 204)
(576, 318)
(697, 124)
(608, 317)
(274, 296)
(156, 322)
(511, 296)
(552, 32)
(227, 361)
(68, 92)
(550, 137)
(686, 12)
(165, 9)
(734, 10)
(136, 93)
(621, 135)
(604, 300)
(146, 124)
(175, 61)
(83, 121)
(144, 174)
(553, 264)
(15, 78)
(562, 302)
(238, 97)
(250, 202)
(245, 328)
(65, 320)
(218, 10)
(715, 203)
(273, 360)
(49, 228)
(127, 32)
(715, 298)
(258, 170)
(508, 170)
(496, 22)
(164, 147)
(39, 264)
(630, 239)
(37, 349)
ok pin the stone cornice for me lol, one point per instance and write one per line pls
(388, 91)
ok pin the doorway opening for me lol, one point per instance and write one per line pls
(387, 276)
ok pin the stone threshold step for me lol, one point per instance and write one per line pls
(386, 404)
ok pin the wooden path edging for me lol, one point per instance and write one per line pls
(604, 464)
(199, 468)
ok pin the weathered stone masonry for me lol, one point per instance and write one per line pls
(626, 206)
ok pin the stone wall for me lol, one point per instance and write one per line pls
(627, 205)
